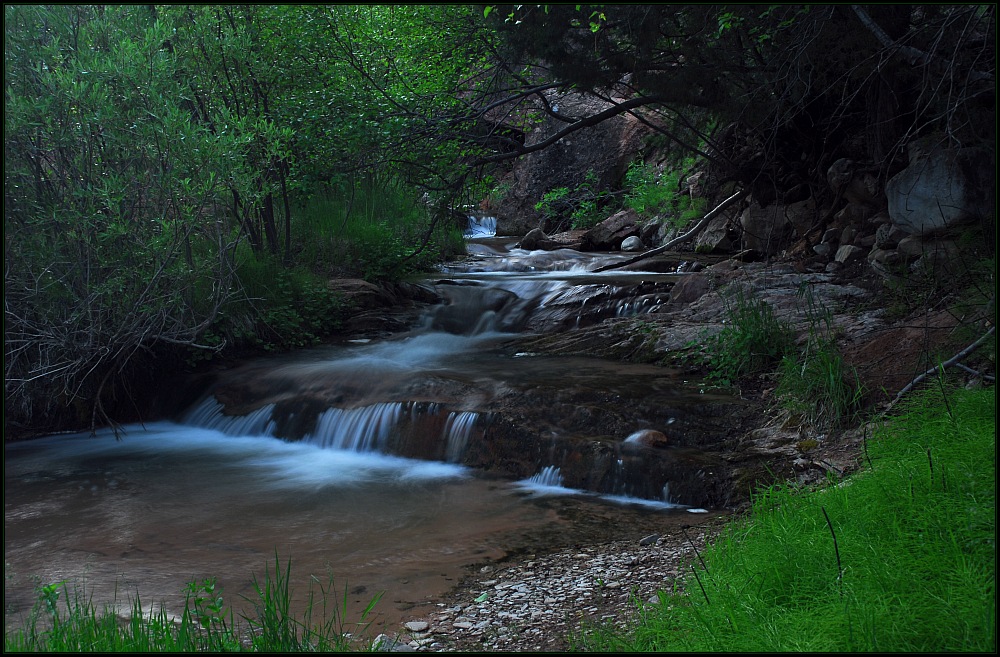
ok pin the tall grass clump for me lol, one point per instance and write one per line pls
(901, 557)
(324, 627)
(815, 383)
(65, 620)
(752, 339)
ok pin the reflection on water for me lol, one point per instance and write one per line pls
(170, 504)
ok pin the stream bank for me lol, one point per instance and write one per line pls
(536, 602)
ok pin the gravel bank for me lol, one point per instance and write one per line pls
(538, 602)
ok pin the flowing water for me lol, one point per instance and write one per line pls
(386, 466)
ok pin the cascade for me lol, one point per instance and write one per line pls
(666, 494)
(354, 449)
(363, 429)
(481, 227)
(422, 394)
(458, 428)
(548, 476)
(209, 414)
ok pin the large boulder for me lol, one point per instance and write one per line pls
(766, 230)
(606, 149)
(939, 189)
(610, 233)
(537, 240)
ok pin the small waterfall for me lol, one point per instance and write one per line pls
(209, 414)
(481, 227)
(383, 427)
(357, 429)
(550, 475)
(666, 494)
(457, 429)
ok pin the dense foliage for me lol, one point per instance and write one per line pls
(775, 93)
(162, 161)
(157, 159)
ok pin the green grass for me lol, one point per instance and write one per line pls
(816, 384)
(752, 339)
(901, 557)
(66, 620)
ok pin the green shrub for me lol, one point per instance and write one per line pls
(650, 192)
(282, 308)
(645, 192)
(584, 205)
(374, 230)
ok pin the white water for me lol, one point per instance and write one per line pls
(458, 429)
(549, 481)
(480, 227)
(363, 429)
(218, 495)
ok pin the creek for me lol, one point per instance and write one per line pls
(380, 465)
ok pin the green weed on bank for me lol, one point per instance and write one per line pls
(900, 557)
(66, 620)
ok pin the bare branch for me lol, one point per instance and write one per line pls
(912, 54)
(954, 360)
(681, 239)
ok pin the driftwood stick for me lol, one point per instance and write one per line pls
(984, 377)
(954, 360)
(681, 239)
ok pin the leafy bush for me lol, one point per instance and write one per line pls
(283, 308)
(646, 193)
(583, 204)
(374, 229)
(650, 192)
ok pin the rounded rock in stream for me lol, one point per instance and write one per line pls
(645, 438)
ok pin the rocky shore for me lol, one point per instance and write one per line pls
(542, 602)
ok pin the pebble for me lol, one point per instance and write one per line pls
(535, 605)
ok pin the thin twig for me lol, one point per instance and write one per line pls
(696, 552)
(836, 550)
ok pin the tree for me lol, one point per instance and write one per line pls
(144, 144)
(113, 244)
(772, 91)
